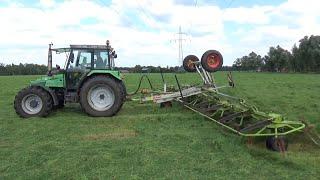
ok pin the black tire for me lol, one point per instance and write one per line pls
(114, 88)
(189, 63)
(44, 96)
(60, 104)
(60, 96)
(279, 144)
(212, 60)
(167, 104)
(123, 93)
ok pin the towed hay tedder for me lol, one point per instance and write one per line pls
(232, 113)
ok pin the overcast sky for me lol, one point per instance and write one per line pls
(142, 31)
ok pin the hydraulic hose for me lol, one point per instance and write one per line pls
(140, 82)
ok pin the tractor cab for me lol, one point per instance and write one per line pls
(86, 57)
(82, 59)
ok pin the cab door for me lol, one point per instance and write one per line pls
(80, 63)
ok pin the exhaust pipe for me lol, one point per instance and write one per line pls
(50, 60)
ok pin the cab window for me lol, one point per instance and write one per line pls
(84, 61)
(79, 59)
(101, 60)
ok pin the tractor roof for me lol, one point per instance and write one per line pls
(103, 47)
(99, 47)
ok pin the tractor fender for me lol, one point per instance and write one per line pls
(52, 94)
(90, 75)
(113, 73)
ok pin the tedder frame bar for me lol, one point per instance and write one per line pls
(277, 125)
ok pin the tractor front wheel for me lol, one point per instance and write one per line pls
(33, 101)
(101, 96)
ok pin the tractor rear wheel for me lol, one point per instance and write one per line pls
(123, 91)
(101, 96)
(189, 63)
(33, 101)
(212, 60)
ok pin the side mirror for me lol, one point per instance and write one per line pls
(114, 54)
(71, 58)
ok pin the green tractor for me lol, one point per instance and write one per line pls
(89, 78)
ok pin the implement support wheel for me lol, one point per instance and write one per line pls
(279, 144)
(167, 104)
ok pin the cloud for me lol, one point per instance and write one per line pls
(244, 15)
(141, 30)
(47, 3)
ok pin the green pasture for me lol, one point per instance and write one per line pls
(145, 142)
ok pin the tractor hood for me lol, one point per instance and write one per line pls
(50, 81)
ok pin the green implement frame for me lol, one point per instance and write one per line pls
(238, 116)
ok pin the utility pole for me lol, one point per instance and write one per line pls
(180, 39)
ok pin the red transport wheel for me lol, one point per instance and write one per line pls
(212, 60)
(189, 63)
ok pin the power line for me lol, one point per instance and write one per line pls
(141, 9)
(191, 23)
(116, 11)
(230, 3)
(180, 39)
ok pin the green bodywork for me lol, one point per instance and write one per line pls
(59, 81)
(113, 73)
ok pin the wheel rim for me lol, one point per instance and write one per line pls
(190, 64)
(101, 97)
(31, 104)
(213, 61)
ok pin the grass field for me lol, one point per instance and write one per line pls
(144, 141)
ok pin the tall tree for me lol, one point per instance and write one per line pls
(277, 59)
(250, 62)
(306, 57)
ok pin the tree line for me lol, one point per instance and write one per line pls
(302, 58)
(35, 69)
(22, 69)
